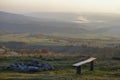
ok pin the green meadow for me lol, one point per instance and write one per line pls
(106, 68)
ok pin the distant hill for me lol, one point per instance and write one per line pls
(87, 20)
(19, 23)
(101, 24)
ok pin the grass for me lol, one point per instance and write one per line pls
(27, 38)
(109, 69)
(107, 65)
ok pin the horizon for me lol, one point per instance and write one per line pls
(73, 6)
(103, 22)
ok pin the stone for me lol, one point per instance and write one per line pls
(33, 66)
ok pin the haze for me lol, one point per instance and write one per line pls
(26, 6)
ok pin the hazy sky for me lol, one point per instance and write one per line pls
(26, 6)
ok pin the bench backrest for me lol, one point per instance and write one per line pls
(84, 62)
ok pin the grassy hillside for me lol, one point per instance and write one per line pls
(107, 67)
(70, 50)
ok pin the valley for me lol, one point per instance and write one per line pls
(60, 39)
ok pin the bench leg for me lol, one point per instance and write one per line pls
(92, 66)
(78, 70)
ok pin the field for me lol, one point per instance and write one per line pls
(63, 52)
(106, 67)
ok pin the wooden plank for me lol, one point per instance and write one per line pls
(84, 62)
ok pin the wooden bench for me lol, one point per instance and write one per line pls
(79, 64)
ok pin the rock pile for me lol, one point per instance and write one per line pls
(33, 66)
